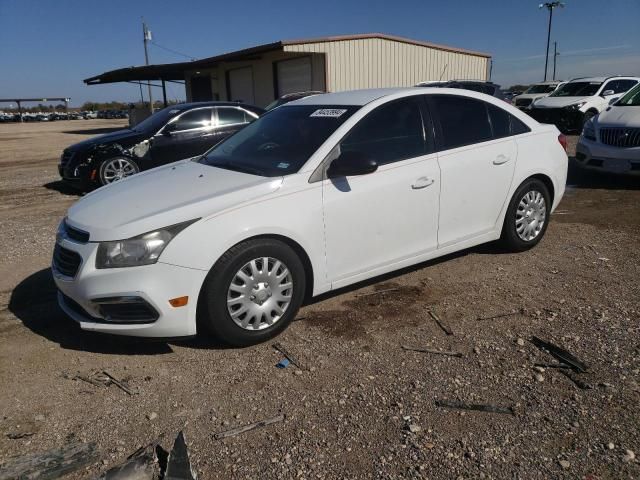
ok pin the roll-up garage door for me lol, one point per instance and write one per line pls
(293, 75)
(240, 84)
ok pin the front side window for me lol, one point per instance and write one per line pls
(390, 133)
(631, 99)
(463, 120)
(200, 118)
(619, 86)
(577, 89)
(280, 142)
(231, 116)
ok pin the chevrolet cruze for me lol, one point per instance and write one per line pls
(315, 195)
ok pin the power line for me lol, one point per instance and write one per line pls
(190, 57)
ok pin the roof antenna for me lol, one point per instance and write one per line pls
(443, 70)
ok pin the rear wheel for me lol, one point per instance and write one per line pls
(527, 217)
(115, 169)
(253, 292)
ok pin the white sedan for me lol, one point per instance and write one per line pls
(315, 195)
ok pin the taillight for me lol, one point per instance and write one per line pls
(563, 141)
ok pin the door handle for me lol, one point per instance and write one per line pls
(422, 182)
(500, 159)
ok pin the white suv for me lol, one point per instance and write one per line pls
(579, 100)
(535, 92)
(611, 141)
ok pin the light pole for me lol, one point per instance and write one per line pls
(549, 6)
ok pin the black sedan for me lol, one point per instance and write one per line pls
(171, 134)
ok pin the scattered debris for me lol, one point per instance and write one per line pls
(629, 456)
(284, 363)
(579, 383)
(152, 416)
(178, 464)
(278, 346)
(237, 431)
(551, 365)
(564, 464)
(429, 350)
(560, 354)
(140, 465)
(520, 342)
(445, 328)
(19, 435)
(117, 383)
(377, 292)
(101, 379)
(539, 377)
(499, 315)
(472, 406)
(51, 464)
(413, 428)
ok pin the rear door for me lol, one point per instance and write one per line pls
(186, 137)
(375, 220)
(477, 159)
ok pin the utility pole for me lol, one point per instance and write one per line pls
(549, 6)
(555, 57)
(146, 35)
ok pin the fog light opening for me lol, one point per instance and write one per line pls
(179, 301)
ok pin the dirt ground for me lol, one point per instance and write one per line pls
(361, 406)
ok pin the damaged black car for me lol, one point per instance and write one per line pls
(171, 134)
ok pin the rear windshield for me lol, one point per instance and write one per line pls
(280, 142)
(541, 89)
(577, 89)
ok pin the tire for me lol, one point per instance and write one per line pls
(524, 227)
(257, 293)
(115, 169)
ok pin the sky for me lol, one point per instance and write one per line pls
(48, 47)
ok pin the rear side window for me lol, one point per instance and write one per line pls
(231, 116)
(392, 132)
(200, 118)
(504, 124)
(463, 120)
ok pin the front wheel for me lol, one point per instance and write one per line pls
(115, 169)
(253, 292)
(527, 217)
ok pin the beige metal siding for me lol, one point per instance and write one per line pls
(377, 62)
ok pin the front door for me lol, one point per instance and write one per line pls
(185, 137)
(376, 220)
(477, 160)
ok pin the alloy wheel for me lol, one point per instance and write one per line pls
(116, 169)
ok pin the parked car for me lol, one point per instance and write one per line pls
(315, 195)
(534, 92)
(171, 134)
(579, 100)
(488, 88)
(290, 97)
(610, 141)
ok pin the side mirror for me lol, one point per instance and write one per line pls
(606, 93)
(351, 163)
(171, 127)
(613, 100)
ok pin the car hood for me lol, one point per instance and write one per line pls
(164, 196)
(620, 117)
(558, 102)
(126, 137)
(532, 96)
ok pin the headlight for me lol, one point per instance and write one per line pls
(589, 131)
(576, 106)
(144, 249)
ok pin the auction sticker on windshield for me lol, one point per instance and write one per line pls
(328, 112)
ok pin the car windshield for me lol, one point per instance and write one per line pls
(577, 89)
(540, 89)
(280, 142)
(156, 121)
(630, 99)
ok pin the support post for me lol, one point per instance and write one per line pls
(164, 93)
(546, 57)
(20, 110)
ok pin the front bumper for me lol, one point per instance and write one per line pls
(566, 120)
(604, 158)
(80, 297)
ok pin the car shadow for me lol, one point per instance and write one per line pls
(34, 303)
(95, 131)
(578, 177)
(64, 188)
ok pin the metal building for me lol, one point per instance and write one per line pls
(260, 74)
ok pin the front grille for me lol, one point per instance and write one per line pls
(127, 310)
(65, 261)
(75, 234)
(620, 137)
(65, 158)
(523, 102)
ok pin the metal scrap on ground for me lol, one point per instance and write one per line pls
(236, 431)
(445, 328)
(579, 383)
(473, 406)
(429, 350)
(51, 464)
(178, 464)
(499, 315)
(140, 465)
(278, 346)
(102, 379)
(560, 354)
